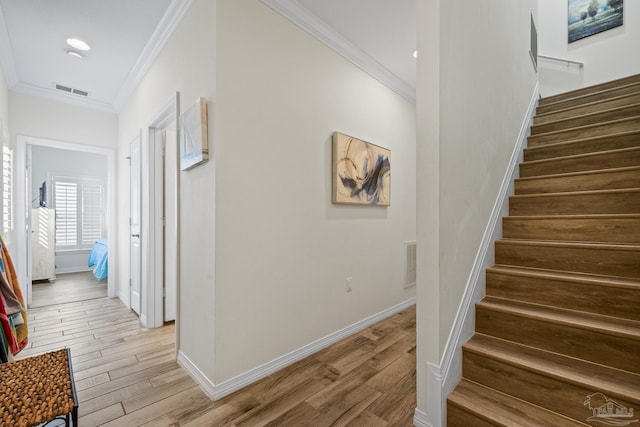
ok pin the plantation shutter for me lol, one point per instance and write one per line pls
(92, 216)
(66, 198)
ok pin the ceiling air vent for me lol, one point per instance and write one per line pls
(64, 88)
(72, 90)
(80, 92)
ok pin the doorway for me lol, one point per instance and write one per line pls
(159, 210)
(29, 191)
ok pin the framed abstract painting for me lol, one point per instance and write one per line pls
(194, 147)
(589, 17)
(361, 172)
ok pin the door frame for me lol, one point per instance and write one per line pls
(129, 301)
(22, 209)
(152, 313)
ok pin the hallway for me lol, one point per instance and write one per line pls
(127, 375)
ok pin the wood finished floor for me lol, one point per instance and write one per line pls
(68, 287)
(127, 375)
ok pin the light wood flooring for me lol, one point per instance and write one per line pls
(68, 287)
(127, 375)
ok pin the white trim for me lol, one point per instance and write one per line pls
(244, 379)
(151, 242)
(308, 21)
(420, 419)
(6, 54)
(158, 39)
(21, 216)
(63, 270)
(124, 297)
(443, 379)
(205, 384)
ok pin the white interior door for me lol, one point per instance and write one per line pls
(169, 135)
(136, 253)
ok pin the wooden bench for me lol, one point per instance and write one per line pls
(38, 390)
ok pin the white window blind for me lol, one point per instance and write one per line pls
(7, 189)
(92, 213)
(66, 197)
(79, 205)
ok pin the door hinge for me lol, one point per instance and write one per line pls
(164, 292)
(164, 222)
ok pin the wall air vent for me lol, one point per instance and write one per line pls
(72, 90)
(409, 264)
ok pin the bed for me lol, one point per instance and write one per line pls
(99, 258)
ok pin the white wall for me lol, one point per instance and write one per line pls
(44, 118)
(185, 65)
(4, 99)
(606, 56)
(484, 84)
(283, 251)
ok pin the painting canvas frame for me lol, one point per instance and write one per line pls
(194, 144)
(361, 172)
(588, 17)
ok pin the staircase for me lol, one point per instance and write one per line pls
(560, 322)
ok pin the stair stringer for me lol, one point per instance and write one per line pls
(442, 378)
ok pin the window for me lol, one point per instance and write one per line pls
(79, 205)
(7, 191)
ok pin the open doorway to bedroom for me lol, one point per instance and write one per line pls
(68, 225)
(67, 218)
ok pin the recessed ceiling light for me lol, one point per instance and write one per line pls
(415, 53)
(78, 44)
(74, 54)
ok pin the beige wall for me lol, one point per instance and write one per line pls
(185, 65)
(283, 251)
(484, 84)
(45, 118)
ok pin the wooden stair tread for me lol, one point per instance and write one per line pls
(586, 192)
(632, 140)
(606, 324)
(584, 92)
(582, 245)
(543, 117)
(579, 173)
(575, 277)
(611, 381)
(592, 118)
(505, 410)
(585, 127)
(595, 154)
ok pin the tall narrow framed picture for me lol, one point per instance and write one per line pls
(361, 172)
(194, 146)
(589, 17)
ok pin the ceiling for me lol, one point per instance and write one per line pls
(125, 36)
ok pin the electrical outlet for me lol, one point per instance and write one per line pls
(349, 280)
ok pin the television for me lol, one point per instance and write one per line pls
(43, 195)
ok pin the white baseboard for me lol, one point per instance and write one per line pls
(442, 379)
(420, 419)
(231, 385)
(76, 269)
(205, 384)
(124, 297)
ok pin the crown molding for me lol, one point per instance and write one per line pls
(305, 19)
(6, 54)
(158, 39)
(59, 96)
